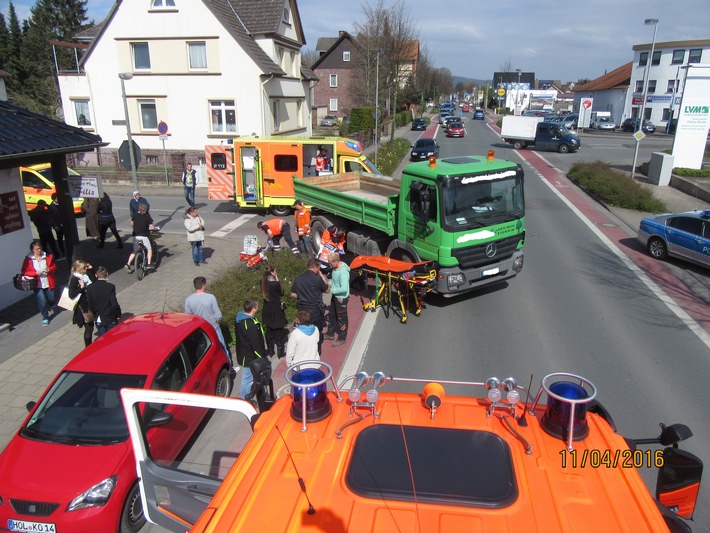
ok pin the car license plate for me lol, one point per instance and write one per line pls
(21, 525)
(490, 272)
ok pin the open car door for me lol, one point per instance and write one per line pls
(176, 490)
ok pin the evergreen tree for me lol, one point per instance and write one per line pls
(4, 41)
(13, 64)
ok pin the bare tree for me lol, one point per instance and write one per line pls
(308, 57)
(388, 40)
(507, 66)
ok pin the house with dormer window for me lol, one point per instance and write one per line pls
(206, 70)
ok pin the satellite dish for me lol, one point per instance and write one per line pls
(59, 113)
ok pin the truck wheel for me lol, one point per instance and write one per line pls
(657, 248)
(518, 145)
(280, 210)
(317, 228)
(563, 149)
(402, 255)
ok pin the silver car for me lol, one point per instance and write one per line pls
(605, 123)
(329, 120)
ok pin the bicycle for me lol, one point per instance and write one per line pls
(140, 261)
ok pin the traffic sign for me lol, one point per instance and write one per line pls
(501, 91)
(163, 137)
(162, 128)
(124, 156)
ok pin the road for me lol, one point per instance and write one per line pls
(576, 307)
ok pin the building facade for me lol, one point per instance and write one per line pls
(193, 73)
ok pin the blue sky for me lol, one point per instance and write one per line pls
(555, 39)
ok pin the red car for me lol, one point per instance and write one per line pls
(70, 467)
(455, 129)
(464, 108)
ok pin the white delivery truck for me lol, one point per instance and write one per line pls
(523, 132)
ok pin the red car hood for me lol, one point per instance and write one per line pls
(42, 471)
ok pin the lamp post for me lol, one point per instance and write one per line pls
(518, 102)
(127, 76)
(377, 101)
(645, 92)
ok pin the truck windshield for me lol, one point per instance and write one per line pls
(371, 166)
(483, 201)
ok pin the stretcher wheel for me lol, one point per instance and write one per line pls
(417, 312)
(403, 320)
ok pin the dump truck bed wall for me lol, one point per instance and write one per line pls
(364, 198)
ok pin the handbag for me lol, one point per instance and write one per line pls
(24, 284)
(68, 303)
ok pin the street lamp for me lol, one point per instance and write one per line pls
(518, 102)
(127, 76)
(648, 22)
(377, 101)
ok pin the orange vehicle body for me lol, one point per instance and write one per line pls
(258, 172)
(262, 493)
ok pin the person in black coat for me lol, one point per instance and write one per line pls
(102, 301)
(81, 277)
(273, 315)
(107, 221)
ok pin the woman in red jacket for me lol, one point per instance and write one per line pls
(41, 266)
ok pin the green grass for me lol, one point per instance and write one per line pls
(238, 283)
(390, 155)
(615, 188)
(691, 172)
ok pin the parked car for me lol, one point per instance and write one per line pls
(329, 120)
(682, 235)
(70, 467)
(605, 123)
(38, 184)
(631, 124)
(479, 115)
(424, 148)
(455, 129)
(570, 121)
(418, 124)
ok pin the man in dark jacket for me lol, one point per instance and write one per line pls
(101, 297)
(250, 342)
(57, 222)
(308, 289)
(41, 217)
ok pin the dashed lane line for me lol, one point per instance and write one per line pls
(229, 228)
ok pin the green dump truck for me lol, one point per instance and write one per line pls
(466, 213)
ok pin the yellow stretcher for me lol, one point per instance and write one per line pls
(400, 278)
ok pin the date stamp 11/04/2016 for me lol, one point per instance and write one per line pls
(611, 458)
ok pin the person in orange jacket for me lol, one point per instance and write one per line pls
(41, 266)
(302, 220)
(332, 240)
(275, 228)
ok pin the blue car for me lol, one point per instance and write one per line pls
(682, 235)
(479, 115)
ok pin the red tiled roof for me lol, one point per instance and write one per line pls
(616, 79)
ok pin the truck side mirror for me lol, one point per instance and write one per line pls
(678, 482)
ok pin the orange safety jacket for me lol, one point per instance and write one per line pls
(302, 221)
(274, 225)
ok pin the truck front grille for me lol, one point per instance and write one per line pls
(475, 256)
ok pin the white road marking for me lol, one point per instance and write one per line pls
(229, 228)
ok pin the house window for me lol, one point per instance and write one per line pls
(695, 55)
(639, 86)
(666, 114)
(333, 80)
(141, 56)
(159, 4)
(333, 104)
(346, 55)
(149, 115)
(678, 56)
(275, 108)
(671, 86)
(647, 113)
(656, 58)
(223, 115)
(83, 116)
(197, 55)
(152, 160)
(643, 59)
(651, 86)
(286, 16)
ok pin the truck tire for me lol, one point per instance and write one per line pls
(402, 255)
(281, 210)
(318, 226)
(563, 148)
(518, 145)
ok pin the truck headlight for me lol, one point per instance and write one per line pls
(518, 264)
(96, 496)
(454, 280)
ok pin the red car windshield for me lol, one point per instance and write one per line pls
(83, 409)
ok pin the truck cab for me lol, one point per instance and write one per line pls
(555, 137)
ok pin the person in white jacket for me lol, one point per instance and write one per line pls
(195, 227)
(303, 340)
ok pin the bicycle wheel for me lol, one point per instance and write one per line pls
(140, 264)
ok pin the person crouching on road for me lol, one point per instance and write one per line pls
(302, 220)
(340, 292)
(332, 240)
(275, 228)
(250, 342)
(195, 227)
